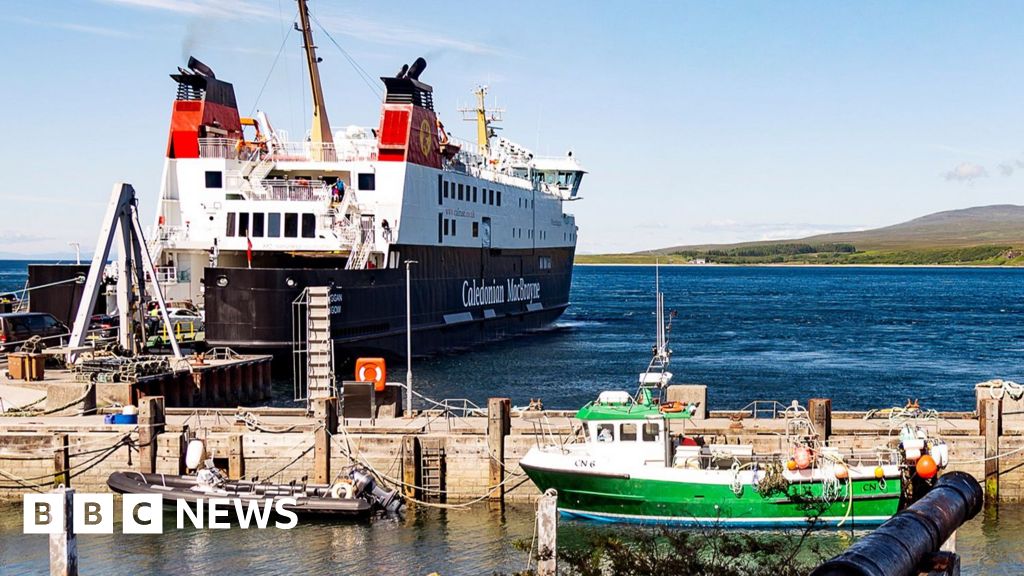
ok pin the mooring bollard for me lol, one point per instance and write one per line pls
(547, 534)
(910, 542)
(63, 544)
(820, 411)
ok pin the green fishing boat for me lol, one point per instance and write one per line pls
(634, 465)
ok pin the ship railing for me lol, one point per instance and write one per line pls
(219, 148)
(285, 151)
(167, 274)
(292, 190)
(169, 234)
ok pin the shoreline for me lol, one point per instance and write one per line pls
(719, 265)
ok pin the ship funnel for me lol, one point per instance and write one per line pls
(417, 68)
(401, 73)
(200, 68)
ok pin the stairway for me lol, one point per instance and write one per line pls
(320, 372)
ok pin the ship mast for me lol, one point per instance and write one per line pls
(320, 132)
(483, 118)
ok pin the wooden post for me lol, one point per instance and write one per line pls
(498, 426)
(325, 412)
(151, 424)
(990, 423)
(547, 534)
(61, 461)
(64, 544)
(236, 457)
(820, 412)
(411, 467)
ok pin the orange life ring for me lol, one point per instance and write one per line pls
(372, 370)
(672, 407)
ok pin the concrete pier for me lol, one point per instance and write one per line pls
(433, 457)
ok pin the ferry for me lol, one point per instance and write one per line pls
(249, 218)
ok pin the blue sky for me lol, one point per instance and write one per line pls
(698, 121)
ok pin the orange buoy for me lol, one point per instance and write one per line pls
(791, 465)
(879, 472)
(842, 472)
(671, 407)
(926, 467)
(372, 370)
(802, 457)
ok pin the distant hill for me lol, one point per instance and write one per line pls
(1000, 224)
(984, 235)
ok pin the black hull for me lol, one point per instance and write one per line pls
(461, 297)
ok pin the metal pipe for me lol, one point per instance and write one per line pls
(900, 545)
(408, 338)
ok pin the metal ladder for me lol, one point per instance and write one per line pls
(319, 372)
(432, 473)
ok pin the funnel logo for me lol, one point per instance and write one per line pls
(143, 514)
(426, 140)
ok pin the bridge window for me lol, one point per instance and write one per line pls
(273, 225)
(606, 432)
(651, 430)
(230, 228)
(309, 226)
(628, 433)
(214, 179)
(291, 225)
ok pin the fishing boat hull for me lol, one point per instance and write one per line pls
(674, 496)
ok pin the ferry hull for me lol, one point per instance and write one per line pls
(460, 297)
(624, 498)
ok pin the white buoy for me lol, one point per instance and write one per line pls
(195, 454)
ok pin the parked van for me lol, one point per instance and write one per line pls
(16, 327)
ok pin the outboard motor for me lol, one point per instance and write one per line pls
(390, 500)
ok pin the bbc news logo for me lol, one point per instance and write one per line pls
(143, 514)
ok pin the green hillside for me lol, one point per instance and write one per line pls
(984, 235)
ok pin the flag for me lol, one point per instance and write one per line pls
(248, 250)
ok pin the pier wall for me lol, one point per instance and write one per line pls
(473, 458)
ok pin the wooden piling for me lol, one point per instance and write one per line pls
(236, 457)
(411, 467)
(547, 534)
(820, 412)
(64, 544)
(990, 424)
(61, 461)
(151, 424)
(499, 424)
(325, 412)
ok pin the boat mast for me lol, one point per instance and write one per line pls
(483, 119)
(320, 132)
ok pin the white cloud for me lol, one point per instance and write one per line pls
(966, 172)
(217, 8)
(72, 27)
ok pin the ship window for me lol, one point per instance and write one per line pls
(291, 225)
(257, 224)
(476, 229)
(214, 179)
(440, 232)
(474, 193)
(445, 226)
(368, 181)
(545, 262)
(460, 191)
(499, 197)
(445, 192)
(628, 433)
(650, 431)
(230, 229)
(309, 226)
(606, 432)
(243, 224)
(491, 192)
(453, 227)
(273, 225)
